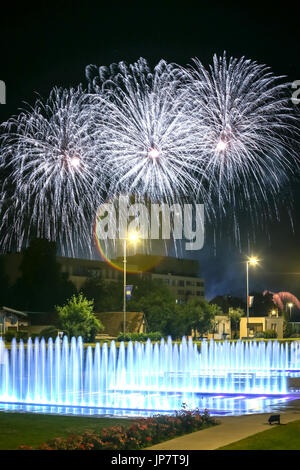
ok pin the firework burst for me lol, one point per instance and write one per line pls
(247, 132)
(53, 181)
(226, 136)
(145, 134)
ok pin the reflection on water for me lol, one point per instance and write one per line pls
(139, 404)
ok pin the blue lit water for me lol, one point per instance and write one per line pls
(141, 379)
(218, 405)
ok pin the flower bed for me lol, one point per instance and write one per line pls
(145, 432)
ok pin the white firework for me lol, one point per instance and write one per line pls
(247, 131)
(145, 135)
(54, 179)
(226, 136)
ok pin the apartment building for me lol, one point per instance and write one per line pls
(180, 275)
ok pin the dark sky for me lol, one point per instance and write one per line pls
(46, 46)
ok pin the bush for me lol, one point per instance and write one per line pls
(266, 334)
(22, 335)
(259, 335)
(270, 334)
(9, 335)
(50, 332)
(145, 432)
(154, 336)
(290, 331)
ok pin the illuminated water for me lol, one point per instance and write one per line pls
(143, 378)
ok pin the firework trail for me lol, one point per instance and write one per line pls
(225, 136)
(247, 132)
(146, 136)
(53, 175)
(280, 298)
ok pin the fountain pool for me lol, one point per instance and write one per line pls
(141, 379)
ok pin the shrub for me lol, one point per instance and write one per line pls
(153, 336)
(50, 332)
(290, 330)
(270, 334)
(143, 433)
(22, 335)
(259, 335)
(9, 335)
(266, 334)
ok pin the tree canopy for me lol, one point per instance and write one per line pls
(42, 285)
(107, 296)
(76, 318)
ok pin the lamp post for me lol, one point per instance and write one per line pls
(132, 237)
(290, 305)
(251, 261)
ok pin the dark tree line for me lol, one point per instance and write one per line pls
(41, 285)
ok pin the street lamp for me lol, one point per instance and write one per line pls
(132, 237)
(252, 260)
(290, 305)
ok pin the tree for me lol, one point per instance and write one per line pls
(5, 290)
(76, 318)
(215, 310)
(198, 315)
(235, 315)
(262, 304)
(157, 301)
(107, 296)
(42, 285)
(225, 302)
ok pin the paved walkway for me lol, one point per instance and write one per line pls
(231, 429)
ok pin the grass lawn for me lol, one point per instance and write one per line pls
(281, 437)
(33, 429)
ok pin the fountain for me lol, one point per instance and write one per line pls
(148, 376)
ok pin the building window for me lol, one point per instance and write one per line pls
(95, 273)
(255, 327)
(181, 283)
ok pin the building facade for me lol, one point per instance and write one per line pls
(261, 324)
(11, 319)
(180, 275)
(221, 328)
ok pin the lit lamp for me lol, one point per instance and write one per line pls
(253, 261)
(132, 237)
(290, 305)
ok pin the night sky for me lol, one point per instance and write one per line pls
(45, 47)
